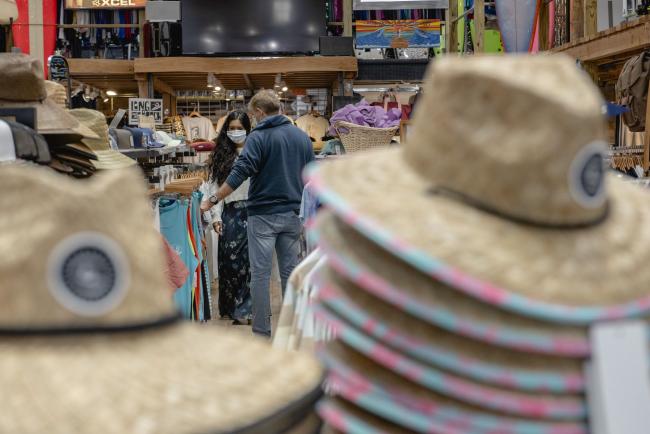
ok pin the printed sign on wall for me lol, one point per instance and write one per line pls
(398, 34)
(145, 107)
(105, 4)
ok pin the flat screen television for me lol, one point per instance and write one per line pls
(246, 27)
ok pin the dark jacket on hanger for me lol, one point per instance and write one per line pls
(274, 156)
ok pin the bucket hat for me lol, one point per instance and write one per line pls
(90, 338)
(28, 89)
(107, 158)
(510, 203)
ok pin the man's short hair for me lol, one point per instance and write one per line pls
(265, 100)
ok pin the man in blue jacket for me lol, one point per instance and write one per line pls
(274, 156)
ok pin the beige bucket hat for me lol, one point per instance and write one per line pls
(90, 338)
(107, 158)
(28, 89)
(507, 201)
(8, 11)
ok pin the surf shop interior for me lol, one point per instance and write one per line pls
(409, 335)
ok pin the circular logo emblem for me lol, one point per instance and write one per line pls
(587, 175)
(88, 274)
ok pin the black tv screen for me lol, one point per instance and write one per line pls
(252, 26)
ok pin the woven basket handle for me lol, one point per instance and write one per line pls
(341, 129)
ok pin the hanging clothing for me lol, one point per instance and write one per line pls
(198, 128)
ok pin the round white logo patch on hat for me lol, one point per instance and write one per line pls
(88, 273)
(587, 175)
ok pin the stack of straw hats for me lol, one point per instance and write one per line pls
(90, 340)
(466, 268)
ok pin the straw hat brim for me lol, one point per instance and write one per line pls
(429, 344)
(437, 414)
(368, 354)
(566, 276)
(53, 120)
(385, 276)
(381, 392)
(110, 159)
(348, 418)
(183, 378)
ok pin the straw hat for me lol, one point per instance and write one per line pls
(107, 158)
(410, 406)
(28, 90)
(394, 281)
(56, 92)
(509, 202)
(90, 338)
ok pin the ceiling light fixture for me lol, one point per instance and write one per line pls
(111, 93)
(214, 82)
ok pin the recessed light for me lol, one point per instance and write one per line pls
(111, 93)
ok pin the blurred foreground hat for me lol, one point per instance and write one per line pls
(28, 89)
(91, 340)
(8, 11)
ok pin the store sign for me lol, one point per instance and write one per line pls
(398, 34)
(145, 107)
(58, 68)
(365, 5)
(105, 4)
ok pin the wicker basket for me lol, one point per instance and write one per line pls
(356, 138)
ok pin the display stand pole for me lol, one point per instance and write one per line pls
(618, 381)
(577, 20)
(479, 24)
(646, 138)
(347, 17)
(452, 27)
(591, 17)
(544, 26)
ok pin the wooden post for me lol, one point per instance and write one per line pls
(479, 25)
(591, 17)
(347, 17)
(451, 39)
(544, 27)
(577, 20)
(141, 20)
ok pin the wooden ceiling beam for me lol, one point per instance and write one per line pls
(246, 66)
(103, 67)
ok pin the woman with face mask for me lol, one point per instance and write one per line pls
(229, 220)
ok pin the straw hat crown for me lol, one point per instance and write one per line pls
(92, 262)
(96, 121)
(520, 136)
(24, 76)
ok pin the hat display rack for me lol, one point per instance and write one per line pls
(463, 307)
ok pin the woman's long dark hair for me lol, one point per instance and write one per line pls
(225, 153)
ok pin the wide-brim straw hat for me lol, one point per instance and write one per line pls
(355, 309)
(387, 277)
(440, 383)
(343, 417)
(91, 340)
(107, 158)
(27, 90)
(407, 406)
(509, 203)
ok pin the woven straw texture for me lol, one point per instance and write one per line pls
(107, 158)
(348, 418)
(148, 383)
(366, 354)
(361, 381)
(74, 207)
(376, 270)
(356, 138)
(571, 267)
(432, 345)
(563, 274)
(57, 93)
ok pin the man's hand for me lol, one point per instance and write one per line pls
(218, 227)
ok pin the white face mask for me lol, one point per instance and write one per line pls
(237, 136)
